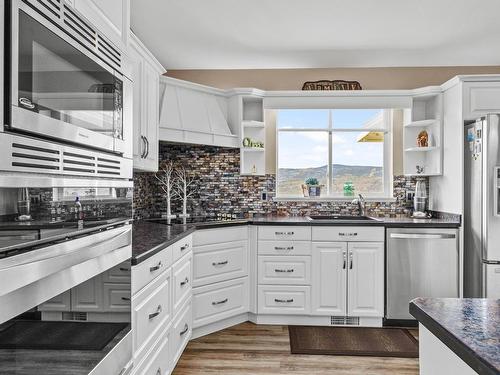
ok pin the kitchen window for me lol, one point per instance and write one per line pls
(345, 151)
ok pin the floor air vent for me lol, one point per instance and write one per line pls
(80, 316)
(344, 321)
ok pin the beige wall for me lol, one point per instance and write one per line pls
(292, 79)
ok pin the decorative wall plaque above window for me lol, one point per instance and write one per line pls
(331, 85)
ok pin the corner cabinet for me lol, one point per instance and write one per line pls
(146, 76)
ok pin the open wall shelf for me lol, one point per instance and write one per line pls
(425, 115)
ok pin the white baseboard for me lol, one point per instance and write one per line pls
(220, 325)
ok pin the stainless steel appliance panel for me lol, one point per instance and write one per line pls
(420, 263)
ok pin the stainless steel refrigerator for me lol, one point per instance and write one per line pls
(481, 208)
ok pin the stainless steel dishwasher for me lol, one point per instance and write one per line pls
(421, 262)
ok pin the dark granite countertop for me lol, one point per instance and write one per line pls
(148, 238)
(469, 327)
(152, 236)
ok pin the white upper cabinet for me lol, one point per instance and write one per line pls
(196, 114)
(481, 98)
(111, 17)
(146, 77)
(365, 279)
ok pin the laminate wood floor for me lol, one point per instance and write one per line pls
(248, 349)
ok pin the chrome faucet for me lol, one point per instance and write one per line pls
(360, 201)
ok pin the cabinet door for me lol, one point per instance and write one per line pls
(88, 296)
(150, 123)
(110, 17)
(61, 302)
(329, 262)
(481, 98)
(139, 145)
(365, 287)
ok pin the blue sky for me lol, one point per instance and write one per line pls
(310, 149)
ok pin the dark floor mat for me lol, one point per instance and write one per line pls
(42, 335)
(362, 341)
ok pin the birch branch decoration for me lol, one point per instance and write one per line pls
(166, 179)
(183, 189)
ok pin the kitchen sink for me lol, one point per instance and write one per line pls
(336, 218)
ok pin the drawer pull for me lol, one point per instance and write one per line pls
(289, 248)
(215, 264)
(124, 269)
(283, 300)
(156, 268)
(184, 282)
(219, 302)
(352, 234)
(183, 332)
(284, 233)
(186, 246)
(155, 314)
(283, 271)
(126, 299)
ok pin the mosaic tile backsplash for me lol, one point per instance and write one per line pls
(221, 190)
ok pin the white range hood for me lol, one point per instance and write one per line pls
(195, 114)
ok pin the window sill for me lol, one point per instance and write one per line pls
(332, 199)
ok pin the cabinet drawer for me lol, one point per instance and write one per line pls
(348, 234)
(286, 300)
(146, 271)
(181, 332)
(151, 310)
(181, 247)
(116, 297)
(289, 232)
(118, 274)
(292, 270)
(182, 279)
(284, 248)
(220, 301)
(214, 263)
(219, 235)
(157, 360)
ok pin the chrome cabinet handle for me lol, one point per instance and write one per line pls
(143, 146)
(215, 303)
(351, 261)
(156, 268)
(186, 246)
(283, 271)
(283, 248)
(126, 299)
(215, 264)
(345, 259)
(124, 269)
(423, 235)
(352, 234)
(184, 282)
(186, 328)
(284, 233)
(147, 147)
(283, 300)
(155, 314)
(158, 372)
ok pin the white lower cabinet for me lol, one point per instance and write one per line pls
(212, 303)
(329, 262)
(365, 288)
(182, 275)
(157, 360)
(284, 299)
(182, 329)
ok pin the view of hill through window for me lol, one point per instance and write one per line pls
(309, 141)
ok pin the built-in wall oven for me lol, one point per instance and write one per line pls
(65, 79)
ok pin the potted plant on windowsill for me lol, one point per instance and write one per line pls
(311, 187)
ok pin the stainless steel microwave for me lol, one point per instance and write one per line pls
(65, 78)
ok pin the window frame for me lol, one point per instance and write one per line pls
(387, 164)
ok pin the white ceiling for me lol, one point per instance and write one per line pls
(249, 34)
